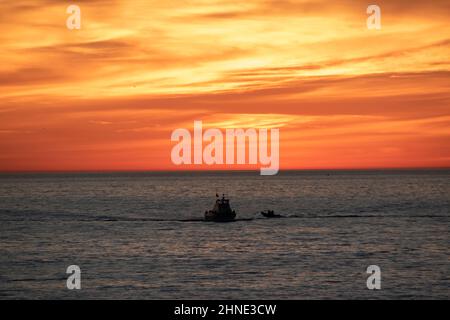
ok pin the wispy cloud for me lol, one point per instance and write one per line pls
(344, 96)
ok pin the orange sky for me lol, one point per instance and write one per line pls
(108, 96)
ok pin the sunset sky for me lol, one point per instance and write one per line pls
(108, 96)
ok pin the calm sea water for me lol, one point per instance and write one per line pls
(140, 235)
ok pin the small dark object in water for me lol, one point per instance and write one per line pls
(221, 212)
(270, 214)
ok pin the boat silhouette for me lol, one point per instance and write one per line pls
(221, 211)
(270, 214)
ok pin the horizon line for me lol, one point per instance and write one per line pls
(99, 171)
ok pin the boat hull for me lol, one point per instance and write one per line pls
(270, 215)
(218, 217)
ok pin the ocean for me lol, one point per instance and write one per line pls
(141, 235)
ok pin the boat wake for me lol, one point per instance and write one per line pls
(35, 216)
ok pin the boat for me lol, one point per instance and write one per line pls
(270, 214)
(221, 211)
